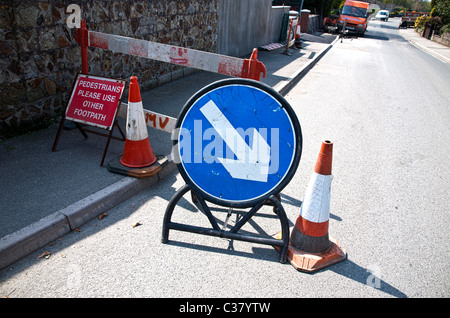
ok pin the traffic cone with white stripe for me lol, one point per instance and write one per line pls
(137, 159)
(310, 247)
(137, 152)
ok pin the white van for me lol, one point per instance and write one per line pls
(383, 15)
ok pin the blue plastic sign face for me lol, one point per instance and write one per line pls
(237, 142)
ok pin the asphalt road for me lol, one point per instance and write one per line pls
(384, 105)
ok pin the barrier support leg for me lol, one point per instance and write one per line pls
(286, 51)
(253, 68)
(81, 37)
(281, 244)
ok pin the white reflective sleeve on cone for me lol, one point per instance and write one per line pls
(136, 127)
(316, 204)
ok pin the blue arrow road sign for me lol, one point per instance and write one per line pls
(237, 141)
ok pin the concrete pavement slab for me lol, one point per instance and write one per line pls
(440, 51)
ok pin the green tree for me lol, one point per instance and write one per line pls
(421, 6)
(442, 10)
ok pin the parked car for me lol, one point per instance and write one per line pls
(383, 15)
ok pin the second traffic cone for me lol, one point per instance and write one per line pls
(137, 152)
(310, 233)
(310, 246)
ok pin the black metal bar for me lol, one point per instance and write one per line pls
(206, 211)
(284, 227)
(169, 210)
(225, 234)
(246, 217)
(232, 234)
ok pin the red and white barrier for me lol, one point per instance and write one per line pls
(152, 119)
(206, 61)
(168, 53)
(291, 34)
(211, 62)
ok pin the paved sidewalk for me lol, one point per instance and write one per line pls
(440, 51)
(45, 194)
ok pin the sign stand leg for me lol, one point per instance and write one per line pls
(58, 134)
(233, 232)
(83, 132)
(61, 126)
(80, 128)
(116, 124)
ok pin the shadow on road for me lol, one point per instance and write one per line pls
(366, 276)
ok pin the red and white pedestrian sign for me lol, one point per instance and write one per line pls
(94, 100)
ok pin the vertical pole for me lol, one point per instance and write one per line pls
(82, 39)
(343, 29)
(286, 51)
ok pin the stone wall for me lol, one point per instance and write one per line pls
(442, 39)
(39, 57)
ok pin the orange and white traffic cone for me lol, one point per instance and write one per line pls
(137, 159)
(310, 246)
(137, 152)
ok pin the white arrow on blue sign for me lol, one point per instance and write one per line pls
(252, 163)
(237, 141)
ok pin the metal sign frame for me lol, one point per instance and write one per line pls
(232, 233)
(85, 130)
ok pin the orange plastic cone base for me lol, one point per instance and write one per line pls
(309, 262)
(137, 154)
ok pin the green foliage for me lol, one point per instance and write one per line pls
(415, 5)
(442, 9)
(420, 22)
(440, 15)
(445, 28)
